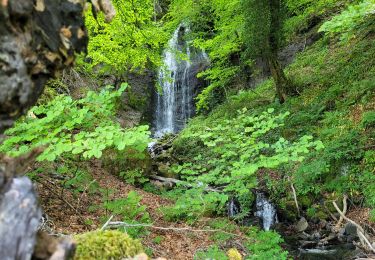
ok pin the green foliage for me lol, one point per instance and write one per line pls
(134, 177)
(368, 119)
(131, 211)
(211, 253)
(222, 48)
(263, 23)
(236, 149)
(266, 245)
(131, 41)
(158, 239)
(218, 29)
(225, 225)
(195, 203)
(349, 22)
(84, 127)
(303, 14)
(372, 215)
(80, 182)
(106, 245)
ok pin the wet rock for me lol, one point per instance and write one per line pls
(351, 230)
(302, 225)
(316, 235)
(165, 170)
(323, 224)
(341, 235)
(233, 207)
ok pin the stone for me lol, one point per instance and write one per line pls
(302, 225)
(165, 171)
(350, 230)
(20, 215)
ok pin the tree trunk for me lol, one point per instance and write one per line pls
(281, 81)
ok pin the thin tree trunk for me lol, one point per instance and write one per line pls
(281, 81)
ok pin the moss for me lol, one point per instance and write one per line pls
(305, 201)
(233, 254)
(288, 210)
(106, 245)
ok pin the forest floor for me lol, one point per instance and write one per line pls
(71, 214)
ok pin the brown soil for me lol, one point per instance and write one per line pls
(70, 214)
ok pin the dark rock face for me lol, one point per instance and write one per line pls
(36, 42)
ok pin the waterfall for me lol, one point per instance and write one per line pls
(178, 83)
(233, 208)
(265, 211)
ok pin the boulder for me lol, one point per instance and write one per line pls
(302, 225)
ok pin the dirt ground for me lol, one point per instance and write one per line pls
(71, 215)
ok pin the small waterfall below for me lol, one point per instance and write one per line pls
(179, 84)
(266, 211)
(233, 208)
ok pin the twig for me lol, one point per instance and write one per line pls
(360, 231)
(295, 197)
(62, 199)
(106, 223)
(83, 193)
(119, 224)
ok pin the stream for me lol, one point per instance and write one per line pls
(311, 242)
(174, 106)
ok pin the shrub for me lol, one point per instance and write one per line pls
(234, 150)
(83, 127)
(350, 21)
(130, 211)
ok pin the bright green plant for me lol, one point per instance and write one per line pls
(106, 245)
(131, 41)
(130, 211)
(134, 177)
(236, 149)
(226, 44)
(193, 204)
(84, 127)
(217, 28)
(214, 252)
(223, 224)
(304, 13)
(265, 246)
(349, 22)
(368, 119)
(80, 182)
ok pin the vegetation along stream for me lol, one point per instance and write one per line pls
(187, 129)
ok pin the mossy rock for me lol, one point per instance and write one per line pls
(106, 245)
(165, 170)
(289, 211)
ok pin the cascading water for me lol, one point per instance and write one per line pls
(265, 211)
(178, 82)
